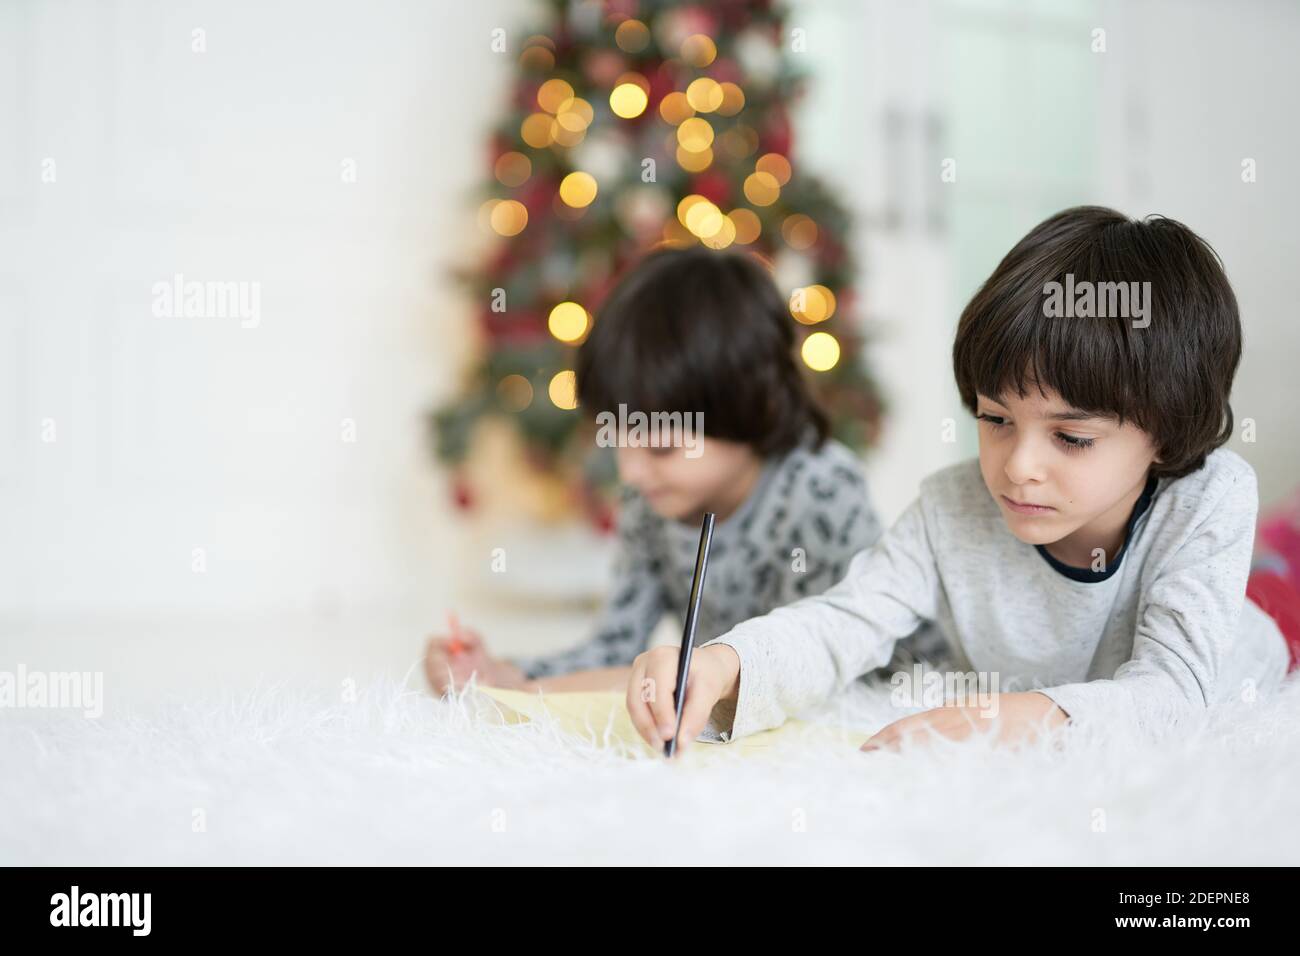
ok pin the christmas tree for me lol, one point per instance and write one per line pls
(634, 125)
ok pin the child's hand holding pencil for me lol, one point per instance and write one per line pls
(450, 660)
(713, 676)
(672, 692)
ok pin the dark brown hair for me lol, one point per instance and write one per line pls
(697, 330)
(1171, 378)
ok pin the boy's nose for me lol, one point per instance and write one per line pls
(1024, 464)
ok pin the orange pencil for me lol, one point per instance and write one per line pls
(456, 645)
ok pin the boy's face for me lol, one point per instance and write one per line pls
(678, 487)
(1083, 473)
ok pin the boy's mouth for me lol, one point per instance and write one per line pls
(1025, 508)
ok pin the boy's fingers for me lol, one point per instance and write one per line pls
(638, 707)
(438, 645)
(661, 670)
(461, 671)
(887, 737)
(700, 699)
(435, 668)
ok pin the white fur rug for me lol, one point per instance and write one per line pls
(284, 775)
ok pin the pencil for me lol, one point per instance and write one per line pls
(688, 632)
(456, 645)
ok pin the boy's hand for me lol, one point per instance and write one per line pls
(450, 661)
(1017, 718)
(714, 676)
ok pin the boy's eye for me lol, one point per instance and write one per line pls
(660, 451)
(1074, 441)
(1070, 442)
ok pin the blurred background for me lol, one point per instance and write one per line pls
(197, 501)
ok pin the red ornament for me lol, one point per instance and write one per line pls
(596, 292)
(714, 187)
(461, 494)
(726, 70)
(832, 253)
(662, 82)
(696, 20)
(537, 195)
(776, 135)
(604, 520)
(603, 67)
(599, 512)
(519, 327)
(526, 95)
(847, 301)
(498, 146)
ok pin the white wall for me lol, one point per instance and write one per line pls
(173, 433)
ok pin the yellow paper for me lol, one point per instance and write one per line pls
(602, 717)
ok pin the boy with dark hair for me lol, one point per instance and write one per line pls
(695, 337)
(1093, 560)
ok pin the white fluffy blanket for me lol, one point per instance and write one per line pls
(285, 775)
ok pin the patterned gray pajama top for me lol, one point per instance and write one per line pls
(794, 536)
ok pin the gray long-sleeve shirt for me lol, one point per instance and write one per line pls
(1162, 634)
(808, 515)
